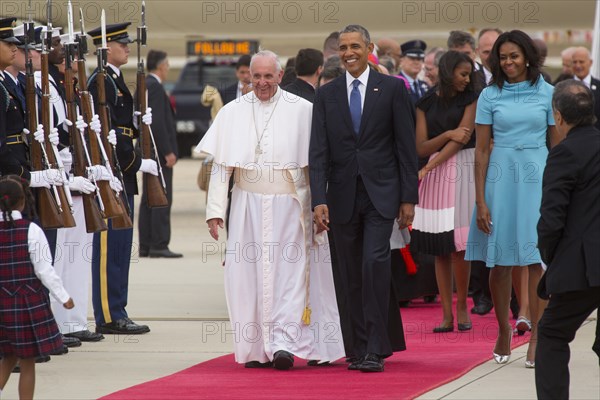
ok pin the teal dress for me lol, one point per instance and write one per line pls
(519, 114)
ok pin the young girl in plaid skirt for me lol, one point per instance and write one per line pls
(27, 327)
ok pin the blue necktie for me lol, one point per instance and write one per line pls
(355, 108)
(417, 88)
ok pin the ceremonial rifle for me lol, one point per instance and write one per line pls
(47, 200)
(155, 187)
(94, 221)
(65, 202)
(110, 201)
(122, 221)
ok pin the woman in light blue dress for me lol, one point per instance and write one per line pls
(516, 112)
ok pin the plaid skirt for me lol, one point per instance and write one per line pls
(27, 326)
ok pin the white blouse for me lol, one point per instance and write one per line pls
(42, 265)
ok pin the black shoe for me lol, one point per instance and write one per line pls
(355, 363)
(144, 252)
(372, 363)
(430, 299)
(71, 341)
(42, 359)
(258, 364)
(443, 329)
(283, 360)
(85, 336)
(60, 351)
(123, 326)
(164, 253)
(482, 308)
(467, 326)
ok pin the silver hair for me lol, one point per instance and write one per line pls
(360, 29)
(269, 55)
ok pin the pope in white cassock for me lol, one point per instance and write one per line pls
(278, 277)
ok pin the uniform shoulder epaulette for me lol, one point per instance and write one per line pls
(109, 79)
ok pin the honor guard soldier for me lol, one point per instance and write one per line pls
(112, 248)
(12, 146)
(413, 56)
(14, 151)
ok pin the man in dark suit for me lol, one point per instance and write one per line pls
(413, 55)
(309, 64)
(154, 224)
(363, 168)
(568, 237)
(238, 89)
(581, 65)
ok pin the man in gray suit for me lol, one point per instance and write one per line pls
(568, 237)
(154, 224)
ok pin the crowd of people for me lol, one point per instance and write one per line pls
(322, 168)
(475, 135)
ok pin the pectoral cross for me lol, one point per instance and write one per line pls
(257, 152)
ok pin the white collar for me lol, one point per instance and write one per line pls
(8, 74)
(155, 77)
(116, 70)
(363, 78)
(587, 80)
(14, 214)
(409, 79)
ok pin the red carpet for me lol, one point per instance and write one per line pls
(430, 361)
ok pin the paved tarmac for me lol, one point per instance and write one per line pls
(183, 302)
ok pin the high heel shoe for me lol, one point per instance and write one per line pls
(529, 364)
(503, 358)
(523, 325)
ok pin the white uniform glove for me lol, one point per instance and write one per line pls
(46, 178)
(67, 158)
(80, 124)
(53, 136)
(95, 124)
(149, 166)
(112, 137)
(99, 173)
(146, 118)
(115, 184)
(39, 134)
(81, 184)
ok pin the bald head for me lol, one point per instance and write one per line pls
(389, 47)
(486, 41)
(581, 62)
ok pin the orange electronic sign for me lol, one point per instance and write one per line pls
(212, 48)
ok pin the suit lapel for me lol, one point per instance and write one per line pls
(342, 100)
(371, 97)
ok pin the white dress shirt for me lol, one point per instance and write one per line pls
(362, 88)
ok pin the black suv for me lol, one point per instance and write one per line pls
(192, 118)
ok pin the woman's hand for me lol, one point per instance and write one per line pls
(484, 219)
(461, 134)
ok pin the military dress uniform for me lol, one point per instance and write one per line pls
(13, 148)
(415, 49)
(112, 248)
